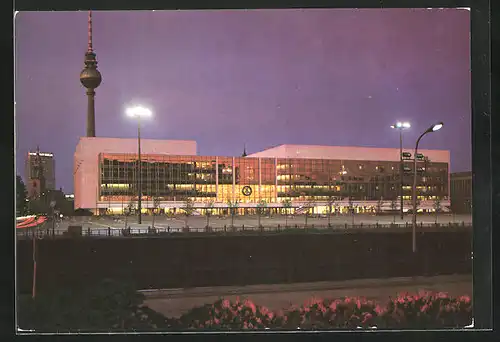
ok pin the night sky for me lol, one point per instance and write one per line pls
(260, 77)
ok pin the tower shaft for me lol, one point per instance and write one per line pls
(90, 113)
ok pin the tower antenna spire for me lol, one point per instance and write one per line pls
(90, 49)
(244, 150)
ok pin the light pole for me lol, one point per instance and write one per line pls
(400, 126)
(139, 112)
(431, 129)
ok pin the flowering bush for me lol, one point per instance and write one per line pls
(227, 315)
(118, 307)
(427, 310)
(422, 311)
(347, 313)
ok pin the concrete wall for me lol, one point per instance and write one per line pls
(177, 262)
(86, 166)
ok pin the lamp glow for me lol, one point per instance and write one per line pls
(401, 125)
(138, 111)
(437, 127)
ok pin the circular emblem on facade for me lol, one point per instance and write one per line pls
(247, 191)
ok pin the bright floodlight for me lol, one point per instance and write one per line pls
(401, 125)
(437, 127)
(138, 111)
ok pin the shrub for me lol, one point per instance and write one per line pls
(107, 305)
(227, 315)
(422, 311)
(347, 313)
(117, 306)
(427, 310)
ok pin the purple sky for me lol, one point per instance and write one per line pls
(260, 77)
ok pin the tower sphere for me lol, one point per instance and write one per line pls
(90, 78)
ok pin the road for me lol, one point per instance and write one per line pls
(175, 302)
(252, 221)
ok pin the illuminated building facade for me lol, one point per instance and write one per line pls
(359, 178)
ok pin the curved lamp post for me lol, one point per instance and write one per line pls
(139, 112)
(431, 129)
(400, 126)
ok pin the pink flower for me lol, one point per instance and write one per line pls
(423, 293)
(306, 309)
(378, 310)
(270, 315)
(465, 299)
(225, 304)
(347, 300)
(358, 304)
(424, 308)
(367, 317)
(313, 301)
(251, 306)
(216, 321)
(442, 295)
(245, 325)
(333, 306)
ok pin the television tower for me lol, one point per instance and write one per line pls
(90, 78)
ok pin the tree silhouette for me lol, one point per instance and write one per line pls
(21, 195)
(209, 211)
(331, 205)
(380, 202)
(128, 210)
(287, 204)
(233, 210)
(394, 207)
(310, 204)
(188, 210)
(156, 205)
(437, 207)
(261, 208)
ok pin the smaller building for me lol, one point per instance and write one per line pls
(461, 192)
(39, 173)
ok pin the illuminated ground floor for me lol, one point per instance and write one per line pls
(314, 207)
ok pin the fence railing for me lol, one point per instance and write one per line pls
(228, 229)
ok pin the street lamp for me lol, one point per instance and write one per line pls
(139, 112)
(433, 128)
(400, 126)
